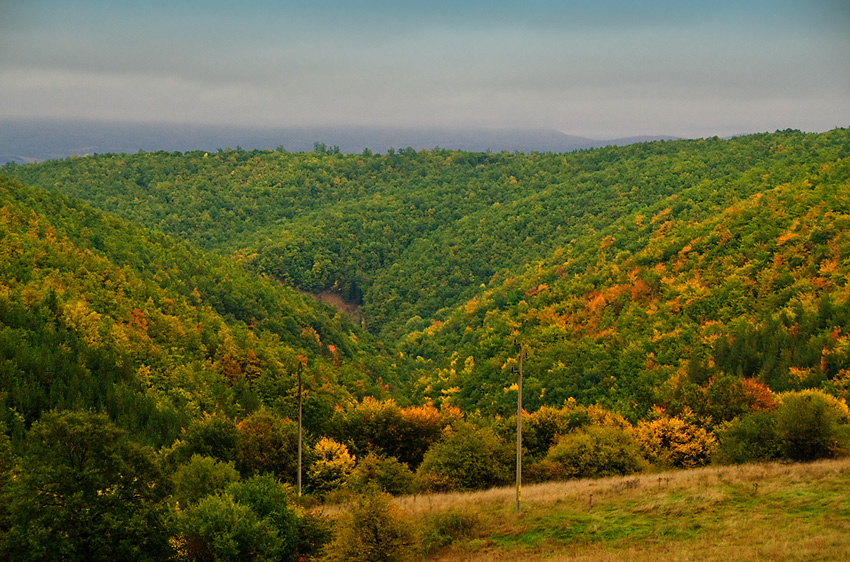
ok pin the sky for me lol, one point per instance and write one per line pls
(601, 68)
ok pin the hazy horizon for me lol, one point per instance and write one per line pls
(602, 70)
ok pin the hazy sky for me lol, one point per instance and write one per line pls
(600, 68)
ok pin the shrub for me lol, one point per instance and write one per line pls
(331, 468)
(809, 425)
(269, 500)
(312, 536)
(384, 427)
(211, 436)
(750, 438)
(542, 427)
(267, 443)
(219, 528)
(466, 458)
(250, 520)
(373, 530)
(200, 477)
(672, 442)
(596, 451)
(387, 473)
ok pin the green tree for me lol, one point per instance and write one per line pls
(390, 475)
(85, 492)
(267, 443)
(250, 520)
(809, 425)
(373, 530)
(200, 477)
(466, 458)
(209, 436)
(750, 438)
(269, 499)
(218, 528)
(595, 451)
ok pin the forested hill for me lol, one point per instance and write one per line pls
(730, 279)
(98, 313)
(411, 234)
(637, 276)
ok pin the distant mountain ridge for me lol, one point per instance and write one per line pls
(34, 140)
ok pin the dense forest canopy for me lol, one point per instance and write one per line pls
(574, 251)
(97, 312)
(411, 234)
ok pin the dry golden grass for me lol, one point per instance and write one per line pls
(725, 514)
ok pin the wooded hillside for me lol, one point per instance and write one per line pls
(676, 303)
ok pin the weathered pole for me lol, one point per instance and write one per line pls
(300, 365)
(519, 435)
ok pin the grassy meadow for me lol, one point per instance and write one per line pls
(752, 512)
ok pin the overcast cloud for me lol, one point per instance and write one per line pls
(602, 69)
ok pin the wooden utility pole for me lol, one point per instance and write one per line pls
(519, 434)
(300, 366)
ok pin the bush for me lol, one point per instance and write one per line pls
(250, 520)
(387, 473)
(384, 427)
(219, 528)
(466, 458)
(809, 425)
(751, 438)
(541, 428)
(373, 530)
(313, 535)
(269, 500)
(200, 477)
(596, 451)
(672, 442)
(267, 443)
(331, 468)
(211, 436)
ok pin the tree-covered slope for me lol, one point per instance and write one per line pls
(636, 274)
(410, 234)
(745, 276)
(98, 313)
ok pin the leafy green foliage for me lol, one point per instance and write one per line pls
(595, 451)
(200, 477)
(219, 528)
(84, 492)
(384, 427)
(267, 443)
(269, 500)
(751, 438)
(373, 530)
(466, 458)
(212, 436)
(387, 473)
(249, 520)
(808, 425)
(541, 428)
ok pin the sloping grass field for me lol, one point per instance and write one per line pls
(753, 512)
